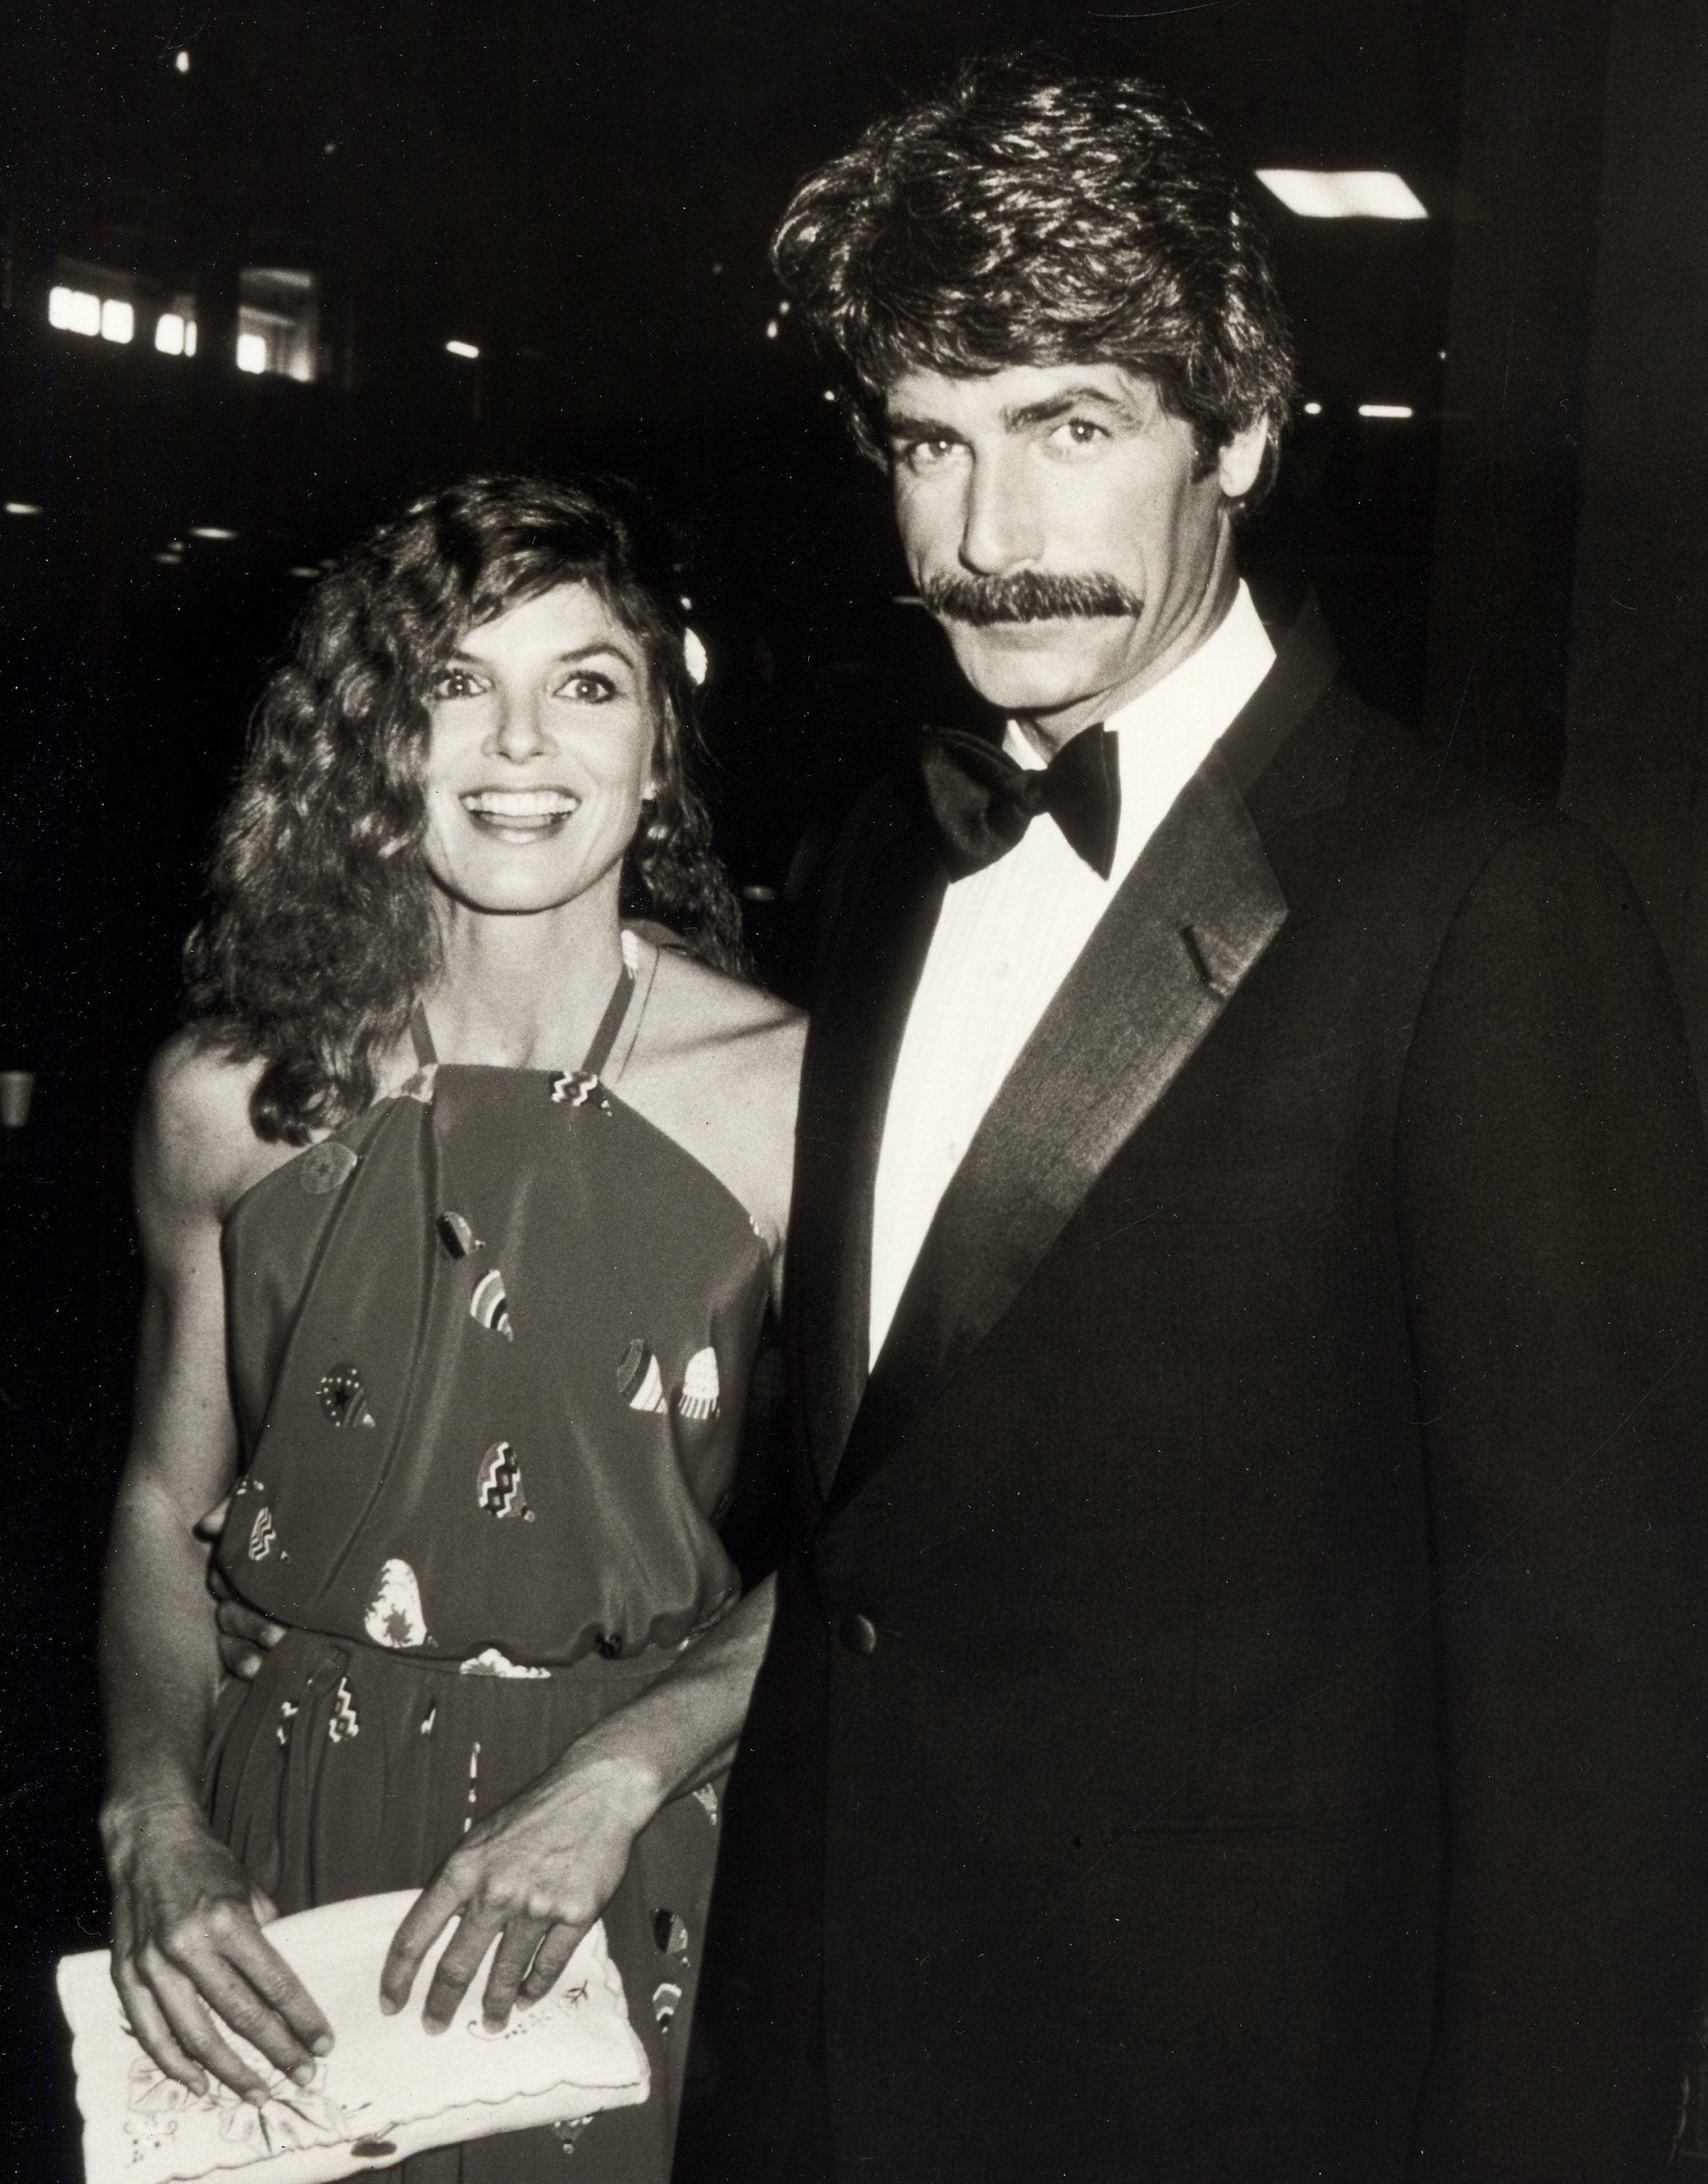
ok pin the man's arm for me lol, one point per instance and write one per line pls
(1554, 1198)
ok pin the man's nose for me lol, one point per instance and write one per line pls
(520, 731)
(999, 529)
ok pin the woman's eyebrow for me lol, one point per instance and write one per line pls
(461, 659)
(592, 651)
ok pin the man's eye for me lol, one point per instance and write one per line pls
(1079, 432)
(925, 454)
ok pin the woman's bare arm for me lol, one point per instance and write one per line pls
(185, 1917)
(541, 1869)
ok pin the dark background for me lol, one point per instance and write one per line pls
(584, 190)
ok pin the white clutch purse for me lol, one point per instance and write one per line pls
(387, 2088)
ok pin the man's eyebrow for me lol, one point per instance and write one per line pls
(897, 426)
(1049, 407)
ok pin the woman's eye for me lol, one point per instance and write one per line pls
(456, 682)
(586, 688)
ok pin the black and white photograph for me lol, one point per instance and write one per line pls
(853, 1017)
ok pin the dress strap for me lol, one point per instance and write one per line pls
(616, 1009)
(420, 1037)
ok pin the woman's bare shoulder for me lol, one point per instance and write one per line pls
(725, 1021)
(719, 1069)
(196, 1149)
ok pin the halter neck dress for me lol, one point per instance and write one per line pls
(489, 1346)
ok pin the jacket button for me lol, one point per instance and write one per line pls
(857, 1635)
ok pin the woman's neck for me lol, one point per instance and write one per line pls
(525, 990)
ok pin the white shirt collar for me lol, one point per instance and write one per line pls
(1166, 732)
(1212, 684)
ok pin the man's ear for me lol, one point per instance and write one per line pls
(1240, 459)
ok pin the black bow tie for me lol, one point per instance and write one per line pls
(984, 802)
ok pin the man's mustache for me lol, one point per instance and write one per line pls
(1027, 595)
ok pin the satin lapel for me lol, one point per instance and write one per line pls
(1195, 914)
(877, 952)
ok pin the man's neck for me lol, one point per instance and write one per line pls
(1048, 732)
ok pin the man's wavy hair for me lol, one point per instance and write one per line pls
(319, 929)
(1030, 217)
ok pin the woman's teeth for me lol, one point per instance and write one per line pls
(523, 804)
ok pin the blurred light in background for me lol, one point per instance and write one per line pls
(278, 322)
(1383, 410)
(694, 655)
(1312, 409)
(73, 311)
(210, 531)
(118, 321)
(463, 348)
(1358, 193)
(771, 330)
(22, 508)
(182, 62)
(174, 335)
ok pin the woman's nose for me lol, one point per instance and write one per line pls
(519, 732)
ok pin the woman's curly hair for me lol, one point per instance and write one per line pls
(1029, 217)
(320, 930)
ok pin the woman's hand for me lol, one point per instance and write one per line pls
(187, 1937)
(537, 1872)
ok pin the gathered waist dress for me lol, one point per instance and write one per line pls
(489, 1346)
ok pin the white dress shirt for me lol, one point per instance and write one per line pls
(1007, 936)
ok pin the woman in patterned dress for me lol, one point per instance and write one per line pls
(459, 1201)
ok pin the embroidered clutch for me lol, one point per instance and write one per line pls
(387, 2090)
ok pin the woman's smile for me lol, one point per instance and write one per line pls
(521, 815)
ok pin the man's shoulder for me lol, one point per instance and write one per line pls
(1355, 786)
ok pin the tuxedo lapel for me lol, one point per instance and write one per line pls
(882, 930)
(1193, 917)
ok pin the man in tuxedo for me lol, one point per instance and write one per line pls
(1235, 1711)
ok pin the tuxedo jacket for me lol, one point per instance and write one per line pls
(1236, 1710)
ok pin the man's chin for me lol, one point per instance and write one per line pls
(1032, 666)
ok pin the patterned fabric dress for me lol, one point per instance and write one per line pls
(490, 1348)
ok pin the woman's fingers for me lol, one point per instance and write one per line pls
(457, 1967)
(522, 1938)
(285, 2000)
(148, 2023)
(553, 1953)
(192, 2028)
(255, 1991)
(423, 1924)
